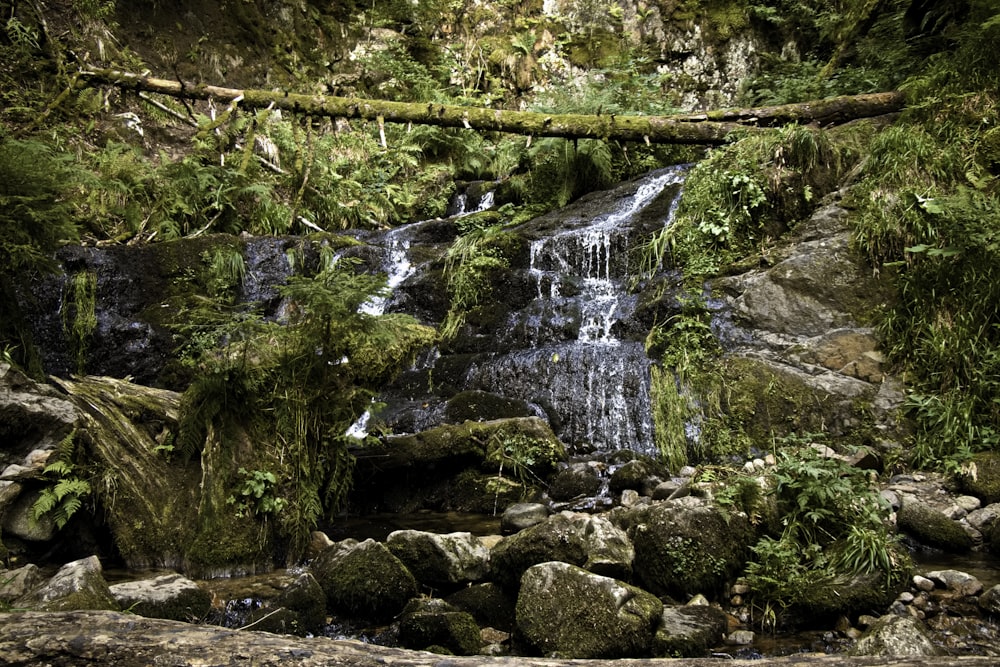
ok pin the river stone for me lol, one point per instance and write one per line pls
(440, 560)
(364, 579)
(168, 596)
(576, 481)
(566, 611)
(305, 599)
(689, 631)
(591, 542)
(894, 636)
(17, 583)
(958, 582)
(929, 526)
(989, 601)
(488, 604)
(433, 624)
(519, 516)
(631, 475)
(76, 585)
(686, 546)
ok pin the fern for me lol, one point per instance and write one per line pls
(66, 491)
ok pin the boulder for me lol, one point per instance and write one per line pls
(929, 526)
(631, 475)
(591, 542)
(686, 546)
(989, 601)
(168, 596)
(894, 636)
(981, 477)
(579, 480)
(434, 625)
(305, 601)
(566, 611)
(76, 585)
(17, 583)
(522, 515)
(689, 631)
(440, 560)
(364, 579)
(476, 405)
(957, 582)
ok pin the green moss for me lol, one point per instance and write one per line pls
(79, 314)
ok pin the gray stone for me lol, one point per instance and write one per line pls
(984, 517)
(894, 636)
(18, 520)
(923, 583)
(76, 585)
(168, 596)
(17, 583)
(989, 601)
(572, 613)
(522, 515)
(427, 624)
(956, 581)
(440, 560)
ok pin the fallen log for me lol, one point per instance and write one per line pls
(124, 640)
(707, 128)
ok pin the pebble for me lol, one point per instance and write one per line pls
(740, 638)
(923, 583)
(906, 597)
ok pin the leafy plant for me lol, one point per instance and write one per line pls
(66, 490)
(256, 494)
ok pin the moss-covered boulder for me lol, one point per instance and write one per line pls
(894, 636)
(825, 602)
(931, 527)
(76, 585)
(632, 475)
(477, 405)
(591, 542)
(686, 546)
(433, 624)
(567, 611)
(364, 579)
(488, 603)
(576, 481)
(982, 477)
(170, 596)
(440, 560)
(689, 631)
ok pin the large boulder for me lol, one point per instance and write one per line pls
(364, 579)
(591, 542)
(567, 611)
(689, 631)
(298, 609)
(686, 546)
(488, 603)
(169, 596)
(76, 585)
(894, 636)
(440, 560)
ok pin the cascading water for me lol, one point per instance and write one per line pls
(569, 347)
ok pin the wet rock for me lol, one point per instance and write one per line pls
(77, 585)
(686, 546)
(305, 599)
(931, 527)
(591, 542)
(669, 489)
(440, 560)
(572, 613)
(475, 405)
(689, 631)
(522, 515)
(631, 475)
(488, 604)
(432, 624)
(168, 596)
(364, 579)
(990, 600)
(894, 636)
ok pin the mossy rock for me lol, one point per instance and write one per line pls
(364, 579)
(75, 586)
(686, 546)
(631, 475)
(568, 612)
(574, 482)
(824, 603)
(169, 596)
(488, 604)
(689, 631)
(478, 405)
(435, 625)
(983, 477)
(931, 527)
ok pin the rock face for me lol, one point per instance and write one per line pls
(440, 560)
(591, 542)
(567, 611)
(364, 579)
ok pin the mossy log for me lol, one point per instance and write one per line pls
(707, 128)
(126, 640)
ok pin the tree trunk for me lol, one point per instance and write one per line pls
(112, 639)
(708, 128)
